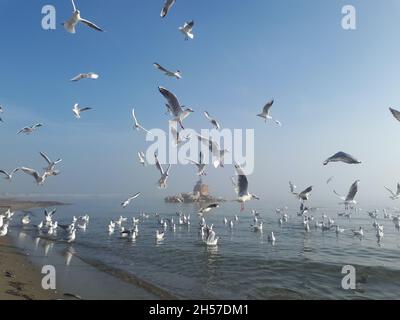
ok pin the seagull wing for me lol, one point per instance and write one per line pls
(85, 109)
(172, 101)
(15, 170)
(46, 158)
(31, 172)
(268, 106)
(352, 192)
(91, 25)
(158, 165)
(175, 134)
(398, 188)
(339, 196)
(242, 183)
(392, 193)
(5, 173)
(73, 5)
(395, 113)
(134, 196)
(161, 68)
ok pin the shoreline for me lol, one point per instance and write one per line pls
(15, 204)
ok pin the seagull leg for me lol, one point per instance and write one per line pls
(242, 207)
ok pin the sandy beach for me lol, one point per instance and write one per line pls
(19, 278)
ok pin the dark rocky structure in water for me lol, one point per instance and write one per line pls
(200, 193)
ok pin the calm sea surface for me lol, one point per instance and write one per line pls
(245, 265)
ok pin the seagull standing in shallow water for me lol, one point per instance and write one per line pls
(71, 24)
(243, 184)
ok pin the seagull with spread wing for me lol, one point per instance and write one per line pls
(137, 125)
(243, 185)
(200, 165)
(304, 195)
(178, 139)
(266, 113)
(179, 112)
(40, 179)
(216, 151)
(394, 196)
(90, 75)
(177, 74)
(349, 199)
(77, 111)
(187, 30)
(76, 18)
(31, 129)
(212, 120)
(342, 157)
(9, 176)
(51, 164)
(162, 183)
(129, 200)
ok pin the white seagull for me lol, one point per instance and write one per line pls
(51, 164)
(342, 157)
(31, 129)
(200, 165)
(128, 201)
(265, 114)
(40, 179)
(71, 24)
(393, 196)
(187, 30)
(304, 195)
(243, 184)
(142, 158)
(177, 136)
(137, 125)
(90, 75)
(212, 120)
(174, 106)
(9, 176)
(208, 208)
(77, 111)
(167, 6)
(349, 199)
(162, 183)
(218, 153)
(177, 74)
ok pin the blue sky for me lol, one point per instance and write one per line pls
(332, 90)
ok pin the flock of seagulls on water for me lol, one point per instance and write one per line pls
(49, 227)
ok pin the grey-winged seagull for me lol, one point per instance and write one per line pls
(177, 74)
(243, 184)
(76, 110)
(342, 157)
(394, 195)
(71, 24)
(212, 120)
(31, 129)
(349, 199)
(167, 6)
(162, 183)
(187, 30)
(217, 152)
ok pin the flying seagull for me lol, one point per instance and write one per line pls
(142, 158)
(40, 179)
(137, 124)
(212, 120)
(162, 183)
(177, 74)
(187, 30)
(31, 129)
(292, 187)
(243, 184)
(200, 165)
(395, 113)
(396, 195)
(77, 111)
(174, 106)
(349, 199)
(304, 195)
(128, 201)
(71, 24)
(342, 157)
(9, 176)
(167, 6)
(51, 164)
(90, 75)
(265, 114)
(215, 150)
(177, 136)
(208, 208)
